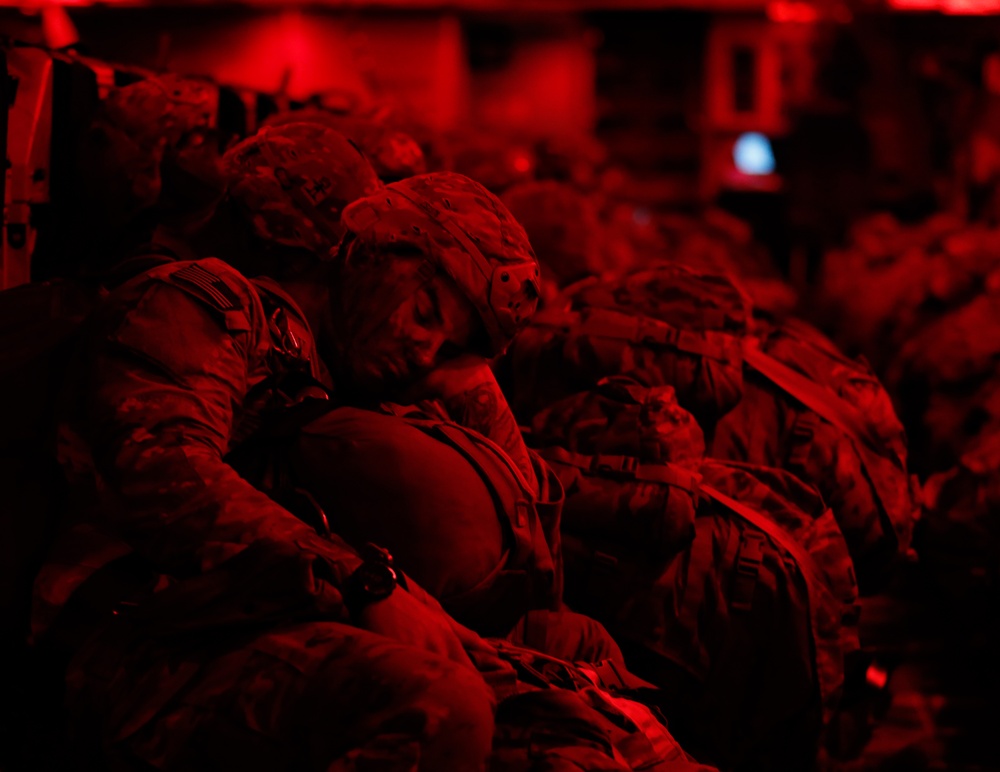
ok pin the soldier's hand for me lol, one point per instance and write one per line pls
(483, 655)
(456, 376)
(406, 619)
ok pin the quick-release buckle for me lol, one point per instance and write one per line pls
(608, 675)
(747, 573)
(285, 341)
(624, 467)
(650, 332)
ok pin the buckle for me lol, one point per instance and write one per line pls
(624, 467)
(748, 564)
(608, 676)
(284, 340)
(651, 332)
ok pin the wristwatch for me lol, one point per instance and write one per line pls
(372, 581)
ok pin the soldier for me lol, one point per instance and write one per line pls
(149, 158)
(208, 626)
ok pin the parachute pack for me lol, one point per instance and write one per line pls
(667, 326)
(730, 585)
(487, 572)
(766, 393)
(810, 409)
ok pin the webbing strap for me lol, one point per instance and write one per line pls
(807, 566)
(627, 468)
(820, 400)
(811, 572)
(645, 330)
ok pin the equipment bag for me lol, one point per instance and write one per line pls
(730, 585)
(809, 409)
(609, 448)
(448, 503)
(666, 326)
(746, 629)
(562, 715)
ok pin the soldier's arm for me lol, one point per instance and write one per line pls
(166, 380)
(473, 398)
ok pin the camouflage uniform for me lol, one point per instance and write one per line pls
(205, 622)
(155, 415)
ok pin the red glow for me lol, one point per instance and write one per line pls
(522, 163)
(957, 7)
(792, 12)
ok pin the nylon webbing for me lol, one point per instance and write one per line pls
(825, 403)
(635, 328)
(811, 571)
(627, 467)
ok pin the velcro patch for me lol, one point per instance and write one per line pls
(209, 286)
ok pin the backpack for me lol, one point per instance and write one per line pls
(944, 378)
(623, 487)
(961, 531)
(811, 410)
(669, 325)
(744, 619)
(563, 715)
(446, 502)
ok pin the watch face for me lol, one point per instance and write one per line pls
(379, 580)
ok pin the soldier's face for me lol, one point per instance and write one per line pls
(428, 327)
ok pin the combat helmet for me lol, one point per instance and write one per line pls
(171, 107)
(464, 231)
(393, 154)
(293, 181)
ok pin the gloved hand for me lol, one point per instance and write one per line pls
(415, 617)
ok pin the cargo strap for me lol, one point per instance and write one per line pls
(748, 563)
(627, 468)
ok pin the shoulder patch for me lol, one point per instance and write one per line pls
(209, 286)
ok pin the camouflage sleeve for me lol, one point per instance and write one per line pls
(164, 386)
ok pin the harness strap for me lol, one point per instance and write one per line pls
(781, 537)
(872, 451)
(640, 330)
(628, 468)
(817, 398)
